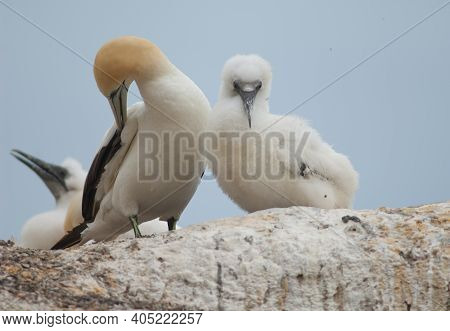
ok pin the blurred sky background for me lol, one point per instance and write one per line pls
(390, 116)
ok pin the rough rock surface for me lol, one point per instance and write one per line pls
(293, 259)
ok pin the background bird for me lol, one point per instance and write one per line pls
(267, 167)
(115, 198)
(64, 182)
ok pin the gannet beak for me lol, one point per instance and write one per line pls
(52, 175)
(118, 102)
(247, 92)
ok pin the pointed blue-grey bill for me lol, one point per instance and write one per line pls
(118, 102)
(52, 175)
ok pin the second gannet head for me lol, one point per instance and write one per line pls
(62, 181)
(123, 60)
(248, 77)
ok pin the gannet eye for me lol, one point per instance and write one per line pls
(235, 85)
(259, 85)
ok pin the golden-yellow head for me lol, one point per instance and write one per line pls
(120, 62)
(126, 59)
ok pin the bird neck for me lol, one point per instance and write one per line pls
(65, 199)
(166, 91)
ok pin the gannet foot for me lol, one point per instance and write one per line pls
(172, 223)
(134, 222)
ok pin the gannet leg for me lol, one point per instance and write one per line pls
(134, 222)
(172, 223)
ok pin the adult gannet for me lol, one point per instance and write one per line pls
(266, 167)
(115, 196)
(64, 182)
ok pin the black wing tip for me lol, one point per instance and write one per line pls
(101, 159)
(70, 239)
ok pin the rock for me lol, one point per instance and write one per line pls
(281, 259)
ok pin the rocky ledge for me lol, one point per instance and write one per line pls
(280, 259)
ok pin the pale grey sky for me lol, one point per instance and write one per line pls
(390, 115)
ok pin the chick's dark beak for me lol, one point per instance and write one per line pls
(247, 91)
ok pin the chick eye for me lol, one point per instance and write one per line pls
(259, 85)
(235, 85)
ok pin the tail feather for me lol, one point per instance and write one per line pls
(72, 238)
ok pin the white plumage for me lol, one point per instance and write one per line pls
(317, 177)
